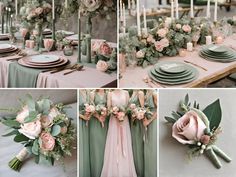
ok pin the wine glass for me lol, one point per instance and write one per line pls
(48, 44)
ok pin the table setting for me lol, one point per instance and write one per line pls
(41, 49)
(206, 44)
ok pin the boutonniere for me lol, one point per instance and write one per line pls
(198, 129)
(43, 129)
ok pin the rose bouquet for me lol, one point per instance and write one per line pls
(43, 129)
(199, 129)
(88, 111)
(119, 113)
(102, 113)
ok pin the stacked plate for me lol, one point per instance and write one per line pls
(43, 61)
(4, 37)
(8, 50)
(173, 73)
(218, 53)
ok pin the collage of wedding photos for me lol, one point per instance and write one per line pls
(117, 88)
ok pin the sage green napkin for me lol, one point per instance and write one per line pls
(22, 77)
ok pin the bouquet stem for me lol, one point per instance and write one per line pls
(212, 156)
(221, 153)
(17, 162)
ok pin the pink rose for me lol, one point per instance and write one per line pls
(165, 42)
(39, 10)
(54, 112)
(132, 106)
(159, 46)
(115, 110)
(150, 39)
(189, 128)
(178, 26)
(22, 115)
(48, 142)
(102, 66)
(162, 32)
(140, 114)
(103, 111)
(46, 121)
(105, 49)
(89, 108)
(31, 130)
(121, 116)
(186, 28)
(140, 54)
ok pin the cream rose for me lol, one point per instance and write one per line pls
(159, 46)
(22, 115)
(140, 114)
(89, 108)
(102, 66)
(31, 130)
(140, 54)
(150, 39)
(46, 121)
(53, 113)
(165, 42)
(162, 32)
(48, 142)
(132, 106)
(178, 26)
(189, 128)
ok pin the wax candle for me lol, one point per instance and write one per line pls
(129, 5)
(215, 13)
(16, 7)
(190, 46)
(144, 18)
(191, 10)
(208, 12)
(219, 40)
(53, 9)
(124, 16)
(66, 4)
(172, 9)
(79, 38)
(121, 11)
(208, 40)
(138, 19)
(168, 22)
(176, 9)
(182, 52)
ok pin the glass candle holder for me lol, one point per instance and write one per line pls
(68, 50)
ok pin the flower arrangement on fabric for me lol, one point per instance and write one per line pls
(88, 111)
(102, 113)
(199, 129)
(43, 128)
(119, 113)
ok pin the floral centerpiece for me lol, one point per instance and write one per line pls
(198, 129)
(44, 130)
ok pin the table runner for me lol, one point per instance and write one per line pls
(22, 77)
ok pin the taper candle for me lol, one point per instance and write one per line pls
(53, 9)
(191, 9)
(124, 16)
(215, 13)
(79, 38)
(172, 9)
(129, 5)
(16, 7)
(144, 18)
(66, 4)
(176, 9)
(138, 19)
(208, 12)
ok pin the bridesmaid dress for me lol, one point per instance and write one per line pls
(118, 158)
(98, 136)
(137, 133)
(150, 145)
(84, 159)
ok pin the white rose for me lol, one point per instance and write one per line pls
(22, 115)
(31, 130)
(140, 54)
(53, 113)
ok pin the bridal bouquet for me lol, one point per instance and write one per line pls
(88, 111)
(199, 129)
(119, 113)
(43, 129)
(138, 113)
(102, 112)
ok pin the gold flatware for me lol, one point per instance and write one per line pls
(78, 68)
(189, 62)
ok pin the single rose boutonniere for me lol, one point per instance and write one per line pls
(199, 129)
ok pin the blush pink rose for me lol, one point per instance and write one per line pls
(189, 128)
(150, 39)
(178, 26)
(115, 110)
(140, 54)
(159, 46)
(162, 32)
(39, 10)
(165, 42)
(54, 112)
(132, 106)
(121, 116)
(140, 114)
(46, 121)
(31, 130)
(102, 66)
(22, 115)
(186, 28)
(48, 141)
(89, 108)
(105, 49)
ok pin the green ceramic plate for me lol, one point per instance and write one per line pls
(44, 58)
(217, 48)
(172, 67)
(217, 60)
(223, 56)
(173, 77)
(168, 75)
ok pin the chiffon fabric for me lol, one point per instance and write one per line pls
(137, 133)
(97, 140)
(150, 144)
(84, 155)
(118, 158)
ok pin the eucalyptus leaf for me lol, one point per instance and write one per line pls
(32, 117)
(175, 115)
(35, 147)
(20, 138)
(11, 123)
(170, 119)
(30, 102)
(186, 100)
(43, 106)
(214, 114)
(56, 129)
(14, 132)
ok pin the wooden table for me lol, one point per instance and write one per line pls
(133, 77)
